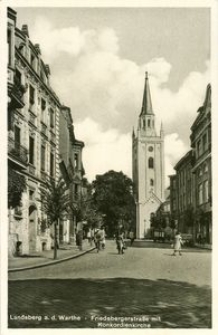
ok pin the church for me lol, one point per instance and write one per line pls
(147, 165)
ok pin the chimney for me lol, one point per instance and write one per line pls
(48, 69)
(25, 30)
(37, 47)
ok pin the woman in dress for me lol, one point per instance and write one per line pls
(177, 244)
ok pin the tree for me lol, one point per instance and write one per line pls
(112, 196)
(56, 203)
(16, 186)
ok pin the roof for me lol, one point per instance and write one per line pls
(146, 103)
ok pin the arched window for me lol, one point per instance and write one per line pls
(151, 182)
(149, 123)
(151, 163)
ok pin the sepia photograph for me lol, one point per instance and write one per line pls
(109, 167)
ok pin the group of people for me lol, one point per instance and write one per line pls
(97, 236)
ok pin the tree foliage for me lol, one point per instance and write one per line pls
(56, 203)
(112, 196)
(16, 186)
(55, 200)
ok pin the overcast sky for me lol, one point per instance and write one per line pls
(98, 58)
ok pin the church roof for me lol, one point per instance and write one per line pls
(146, 103)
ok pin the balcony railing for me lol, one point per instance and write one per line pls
(16, 150)
(43, 175)
(32, 170)
(43, 128)
(32, 118)
(52, 138)
(17, 93)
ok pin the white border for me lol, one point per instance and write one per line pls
(213, 4)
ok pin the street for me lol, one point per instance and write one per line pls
(145, 287)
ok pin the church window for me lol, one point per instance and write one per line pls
(149, 123)
(151, 182)
(150, 149)
(151, 163)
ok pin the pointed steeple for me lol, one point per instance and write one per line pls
(146, 103)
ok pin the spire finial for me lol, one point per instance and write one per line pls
(146, 103)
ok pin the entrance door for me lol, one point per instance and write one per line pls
(32, 228)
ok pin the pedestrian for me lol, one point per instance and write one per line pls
(103, 242)
(99, 237)
(131, 237)
(79, 235)
(119, 237)
(89, 236)
(177, 244)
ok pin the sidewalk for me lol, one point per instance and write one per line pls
(45, 258)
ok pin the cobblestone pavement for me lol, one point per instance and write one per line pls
(145, 287)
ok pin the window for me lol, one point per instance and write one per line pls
(205, 167)
(151, 163)
(149, 123)
(150, 148)
(76, 191)
(52, 164)
(143, 124)
(151, 182)
(199, 148)
(9, 47)
(206, 193)
(204, 140)
(43, 158)
(200, 172)
(52, 118)
(31, 95)
(31, 150)
(17, 77)
(31, 195)
(43, 104)
(200, 194)
(16, 135)
(76, 161)
(32, 61)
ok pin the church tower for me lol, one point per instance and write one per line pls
(147, 165)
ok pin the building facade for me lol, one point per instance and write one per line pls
(184, 193)
(201, 146)
(34, 113)
(173, 200)
(147, 165)
(71, 167)
(191, 186)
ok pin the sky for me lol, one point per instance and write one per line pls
(98, 58)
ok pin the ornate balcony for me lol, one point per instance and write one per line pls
(32, 118)
(32, 170)
(43, 128)
(43, 175)
(52, 138)
(16, 150)
(16, 94)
